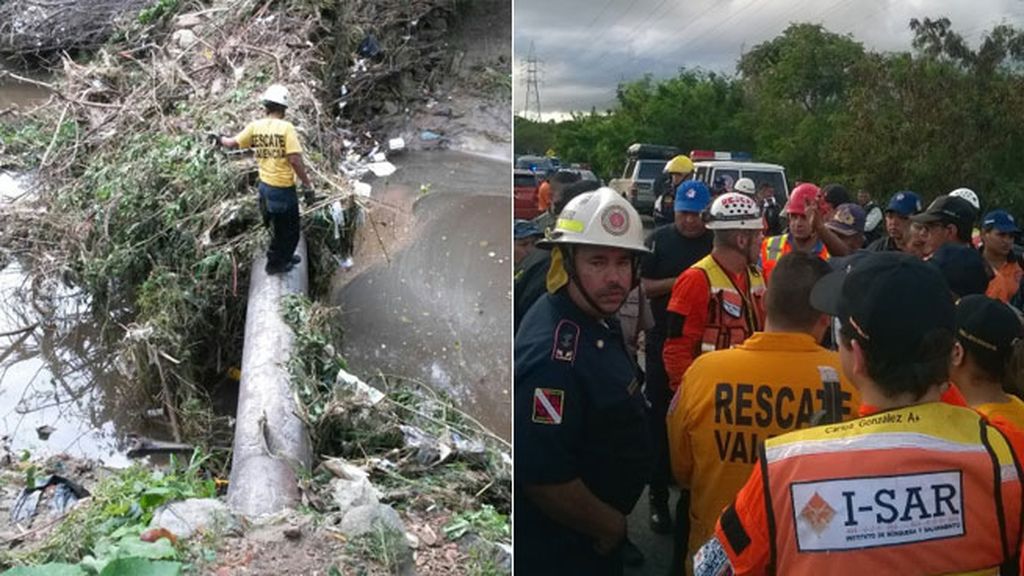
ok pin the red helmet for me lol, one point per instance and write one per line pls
(800, 197)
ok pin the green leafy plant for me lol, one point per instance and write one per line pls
(157, 10)
(485, 522)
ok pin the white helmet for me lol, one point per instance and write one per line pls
(734, 211)
(744, 186)
(276, 94)
(969, 195)
(599, 218)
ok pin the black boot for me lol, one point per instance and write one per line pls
(661, 519)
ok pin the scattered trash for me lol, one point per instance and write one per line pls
(428, 136)
(360, 392)
(362, 189)
(154, 413)
(381, 169)
(395, 144)
(64, 495)
(378, 156)
(338, 217)
(346, 263)
(369, 47)
(44, 431)
(140, 446)
(428, 450)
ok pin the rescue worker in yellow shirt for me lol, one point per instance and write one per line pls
(988, 334)
(732, 400)
(279, 156)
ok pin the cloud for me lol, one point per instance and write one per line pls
(587, 47)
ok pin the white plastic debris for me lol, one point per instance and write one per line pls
(361, 392)
(396, 144)
(379, 157)
(338, 216)
(362, 188)
(381, 169)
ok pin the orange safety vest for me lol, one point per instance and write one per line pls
(732, 315)
(776, 247)
(928, 489)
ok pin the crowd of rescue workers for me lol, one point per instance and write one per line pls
(823, 385)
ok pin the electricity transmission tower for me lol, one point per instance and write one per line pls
(531, 79)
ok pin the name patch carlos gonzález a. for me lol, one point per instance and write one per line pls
(877, 511)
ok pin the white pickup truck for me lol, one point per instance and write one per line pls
(644, 163)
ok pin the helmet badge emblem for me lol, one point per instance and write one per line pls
(615, 221)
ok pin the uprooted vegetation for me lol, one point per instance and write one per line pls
(159, 227)
(403, 428)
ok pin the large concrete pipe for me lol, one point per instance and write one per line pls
(271, 443)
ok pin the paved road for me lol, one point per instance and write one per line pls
(657, 548)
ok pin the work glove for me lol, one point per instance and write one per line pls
(308, 195)
(213, 138)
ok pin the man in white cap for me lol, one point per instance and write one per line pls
(279, 156)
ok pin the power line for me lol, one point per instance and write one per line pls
(532, 85)
(599, 14)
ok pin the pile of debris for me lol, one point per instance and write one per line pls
(160, 228)
(37, 29)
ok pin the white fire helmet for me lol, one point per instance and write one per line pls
(599, 218)
(734, 211)
(276, 94)
(744, 186)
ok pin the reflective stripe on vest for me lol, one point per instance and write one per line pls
(929, 489)
(732, 316)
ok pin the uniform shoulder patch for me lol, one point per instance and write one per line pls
(548, 405)
(567, 339)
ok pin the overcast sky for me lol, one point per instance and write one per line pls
(586, 47)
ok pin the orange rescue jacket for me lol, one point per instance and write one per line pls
(927, 489)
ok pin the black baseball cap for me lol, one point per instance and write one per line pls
(987, 324)
(948, 210)
(890, 299)
(835, 194)
(963, 267)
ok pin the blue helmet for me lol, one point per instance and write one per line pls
(692, 196)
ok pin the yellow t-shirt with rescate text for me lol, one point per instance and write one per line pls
(272, 140)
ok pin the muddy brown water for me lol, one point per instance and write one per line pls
(18, 94)
(54, 374)
(438, 308)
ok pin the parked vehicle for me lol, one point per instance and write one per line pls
(644, 163)
(725, 168)
(525, 185)
(538, 164)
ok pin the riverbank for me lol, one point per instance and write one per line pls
(133, 208)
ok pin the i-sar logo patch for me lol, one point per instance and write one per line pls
(876, 511)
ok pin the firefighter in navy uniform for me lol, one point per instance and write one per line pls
(583, 450)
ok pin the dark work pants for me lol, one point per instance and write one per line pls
(284, 236)
(659, 395)
(280, 209)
